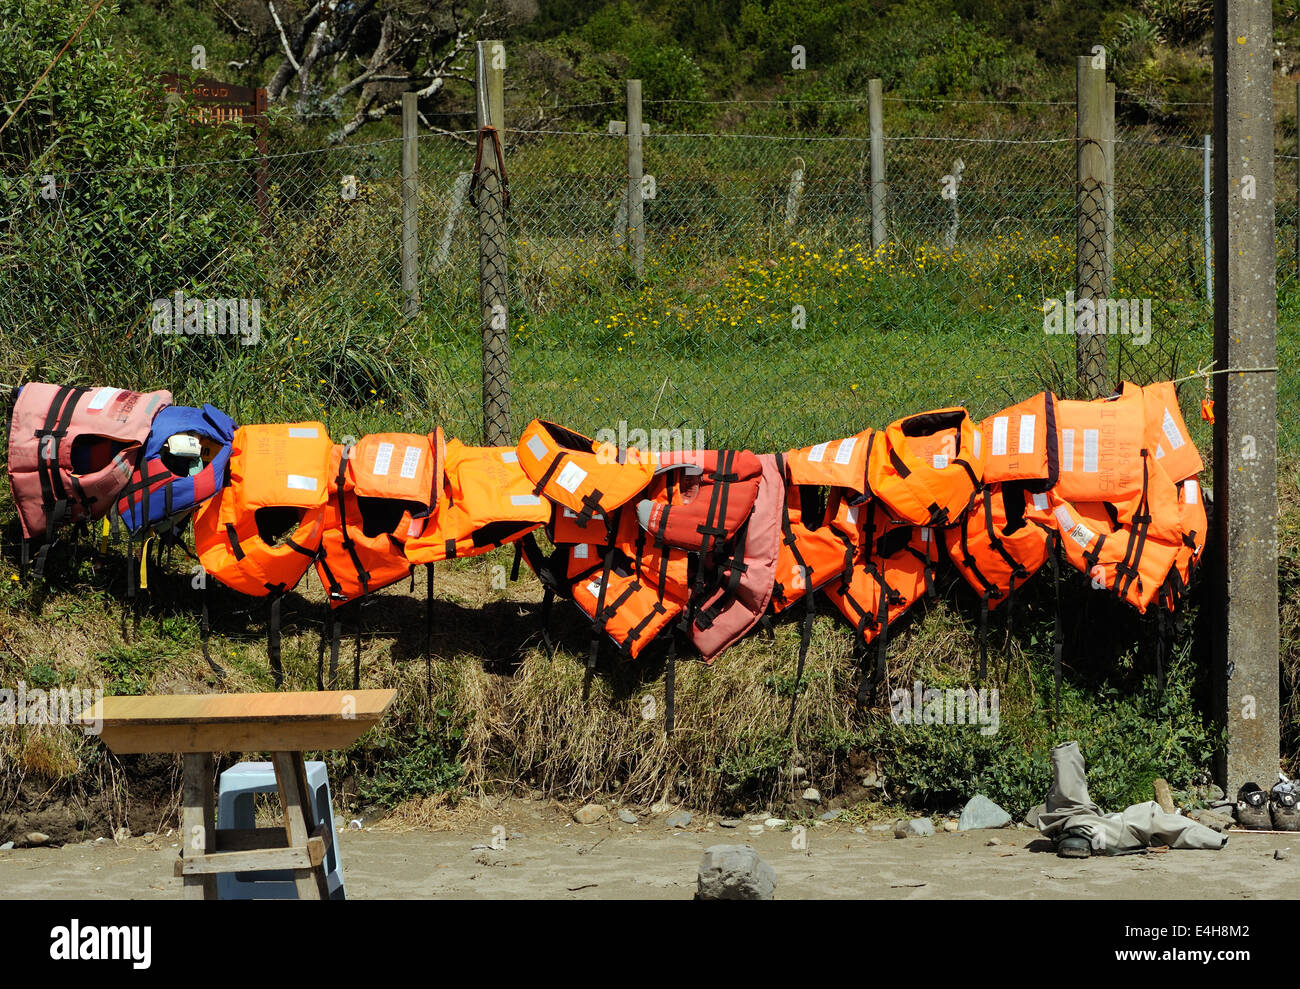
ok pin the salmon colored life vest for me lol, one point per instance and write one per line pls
(486, 501)
(927, 467)
(72, 450)
(159, 494)
(579, 473)
(1019, 444)
(260, 533)
(700, 498)
(1166, 434)
(379, 488)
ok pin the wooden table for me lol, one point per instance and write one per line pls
(283, 724)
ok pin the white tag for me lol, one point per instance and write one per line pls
(410, 462)
(301, 482)
(1000, 436)
(593, 588)
(1027, 433)
(1067, 449)
(925, 533)
(536, 447)
(1082, 535)
(383, 457)
(1063, 518)
(1091, 440)
(303, 433)
(977, 437)
(1160, 451)
(570, 477)
(1040, 502)
(1191, 492)
(940, 461)
(102, 398)
(816, 453)
(1171, 431)
(845, 451)
(852, 515)
(525, 500)
(509, 456)
(581, 552)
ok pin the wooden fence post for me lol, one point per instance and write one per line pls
(635, 200)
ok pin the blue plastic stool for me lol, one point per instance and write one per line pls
(235, 810)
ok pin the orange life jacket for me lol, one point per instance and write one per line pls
(1100, 445)
(1191, 504)
(995, 547)
(486, 500)
(834, 464)
(579, 473)
(893, 567)
(699, 499)
(260, 533)
(927, 468)
(1020, 444)
(1166, 432)
(379, 488)
(812, 552)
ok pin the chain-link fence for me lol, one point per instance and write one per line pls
(763, 314)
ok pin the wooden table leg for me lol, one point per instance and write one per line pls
(299, 820)
(198, 821)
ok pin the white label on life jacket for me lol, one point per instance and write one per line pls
(581, 551)
(593, 588)
(303, 433)
(1040, 502)
(845, 451)
(1000, 436)
(1091, 439)
(1191, 492)
(383, 457)
(925, 533)
(102, 398)
(569, 513)
(1171, 431)
(1064, 521)
(525, 500)
(300, 482)
(816, 453)
(1082, 535)
(410, 462)
(940, 461)
(509, 456)
(1067, 449)
(976, 437)
(1160, 451)
(570, 477)
(1027, 433)
(536, 447)
(852, 514)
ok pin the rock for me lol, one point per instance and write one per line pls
(1213, 793)
(122, 833)
(812, 795)
(589, 814)
(1219, 822)
(950, 826)
(756, 829)
(831, 815)
(981, 812)
(728, 824)
(1164, 796)
(992, 843)
(919, 827)
(661, 807)
(34, 839)
(1032, 817)
(774, 822)
(626, 816)
(354, 824)
(149, 836)
(881, 827)
(1281, 854)
(859, 831)
(6, 846)
(798, 773)
(734, 872)
(680, 819)
(872, 780)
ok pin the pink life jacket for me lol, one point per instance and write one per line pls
(72, 450)
(740, 597)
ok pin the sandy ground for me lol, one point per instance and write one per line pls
(546, 856)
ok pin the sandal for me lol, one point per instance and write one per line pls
(1252, 808)
(1284, 807)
